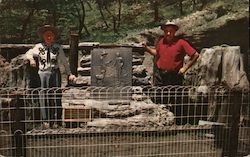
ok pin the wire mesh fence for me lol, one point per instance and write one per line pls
(128, 121)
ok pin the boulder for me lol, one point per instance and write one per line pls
(136, 112)
(85, 61)
(139, 71)
(218, 65)
(82, 81)
(14, 73)
(233, 74)
(84, 71)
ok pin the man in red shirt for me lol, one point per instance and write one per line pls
(169, 54)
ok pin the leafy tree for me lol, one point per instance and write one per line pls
(100, 4)
(96, 20)
(109, 8)
(72, 13)
(15, 18)
(156, 4)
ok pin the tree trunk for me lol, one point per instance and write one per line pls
(181, 7)
(26, 22)
(54, 17)
(82, 24)
(119, 13)
(101, 12)
(114, 25)
(156, 11)
(114, 20)
(80, 14)
(194, 4)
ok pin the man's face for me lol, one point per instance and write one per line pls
(49, 37)
(169, 32)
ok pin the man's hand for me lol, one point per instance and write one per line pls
(189, 64)
(182, 71)
(152, 51)
(72, 77)
(144, 44)
(33, 63)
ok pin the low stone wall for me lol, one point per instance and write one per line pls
(15, 73)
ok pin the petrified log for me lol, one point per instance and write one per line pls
(140, 111)
(216, 66)
(233, 74)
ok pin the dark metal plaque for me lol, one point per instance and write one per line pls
(111, 67)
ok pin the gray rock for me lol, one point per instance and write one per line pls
(85, 65)
(83, 81)
(85, 59)
(218, 65)
(233, 74)
(137, 61)
(139, 71)
(141, 80)
(140, 111)
(15, 73)
(84, 71)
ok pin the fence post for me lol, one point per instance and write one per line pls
(235, 106)
(73, 55)
(18, 128)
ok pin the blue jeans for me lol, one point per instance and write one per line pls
(49, 99)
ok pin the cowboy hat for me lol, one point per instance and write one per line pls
(170, 23)
(43, 29)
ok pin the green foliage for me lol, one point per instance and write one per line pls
(20, 19)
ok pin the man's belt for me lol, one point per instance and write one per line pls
(49, 69)
(168, 72)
